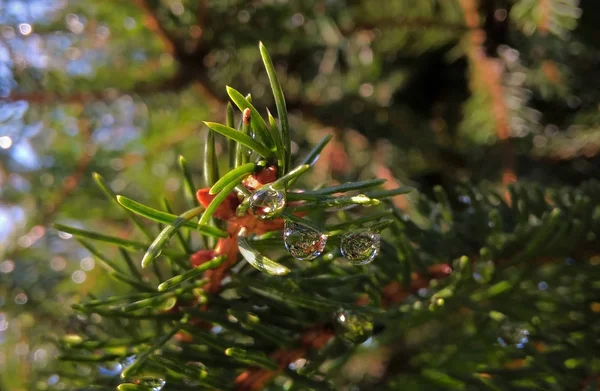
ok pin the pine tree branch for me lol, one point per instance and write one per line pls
(407, 23)
(488, 74)
(151, 21)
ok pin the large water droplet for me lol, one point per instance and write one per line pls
(302, 242)
(153, 383)
(352, 327)
(267, 202)
(127, 361)
(513, 334)
(110, 369)
(360, 247)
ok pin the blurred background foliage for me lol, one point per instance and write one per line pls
(419, 92)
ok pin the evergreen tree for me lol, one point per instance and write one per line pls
(484, 276)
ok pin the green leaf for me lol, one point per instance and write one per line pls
(240, 138)
(313, 155)
(219, 198)
(107, 263)
(345, 187)
(231, 144)
(211, 165)
(256, 359)
(161, 240)
(334, 202)
(130, 264)
(279, 101)
(388, 193)
(155, 302)
(167, 218)
(235, 174)
(282, 161)
(113, 197)
(132, 387)
(258, 123)
(142, 286)
(258, 260)
(282, 182)
(143, 357)
(125, 243)
(182, 241)
(190, 187)
(196, 271)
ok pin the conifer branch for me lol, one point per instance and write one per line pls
(488, 75)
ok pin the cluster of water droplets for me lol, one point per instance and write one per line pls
(143, 381)
(306, 243)
(352, 327)
(267, 202)
(150, 382)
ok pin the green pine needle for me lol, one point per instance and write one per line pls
(258, 260)
(279, 101)
(240, 138)
(167, 218)
(237, 174)
(258, 123)
(162, 239)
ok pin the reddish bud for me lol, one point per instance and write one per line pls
(202, 256)
(246, 116)
(227, 208)
(439, 271)
(264, 176)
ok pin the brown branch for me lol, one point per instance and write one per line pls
(410, 23)
(488, 74)
(197, 30)
(153, 24)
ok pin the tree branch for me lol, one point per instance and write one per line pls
(488, 74)
(152, 23)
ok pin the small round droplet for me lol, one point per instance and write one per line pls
(302, 242)
(360, 247)
(352, 327)
(267, 202)
(153, 383)
(513, 334)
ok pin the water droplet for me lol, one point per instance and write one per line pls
(352, 327)
(127, 361)
(267, 202)
(302, 242)
(110, 369)
(360, 247)
(153, 383)
(168, 304)
(513, 334)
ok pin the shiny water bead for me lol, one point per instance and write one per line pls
(267, 202)
(302, 242)
(352, 327)
(152, 383)
(110, 369)
(360, 247)
(513, 334)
